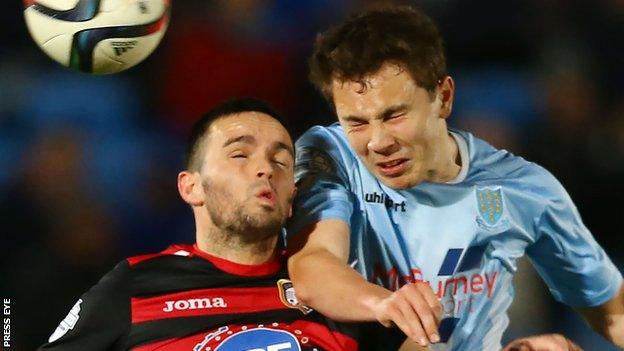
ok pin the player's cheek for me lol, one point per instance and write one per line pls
(358, 142)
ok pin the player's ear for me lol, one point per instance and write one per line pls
(446, 91)
(190, 188)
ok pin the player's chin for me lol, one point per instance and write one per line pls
(403, 181)
(269, 223)
(265, 209)
(270, 214)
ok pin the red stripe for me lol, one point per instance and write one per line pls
(205, 302)
(137, 259)
(321, 335)
(267, 268)
(166, 252)
(157, 26)
(270, 267)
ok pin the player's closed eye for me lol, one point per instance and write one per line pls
(394, 117)
(356, 125)
(280, 163)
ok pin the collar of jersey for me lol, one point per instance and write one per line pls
(464, 156)
(267, 268)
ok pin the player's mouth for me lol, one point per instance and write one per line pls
(267, 196)
(392, 168)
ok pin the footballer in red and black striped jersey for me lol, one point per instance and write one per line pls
(185, 299)
(230, 291)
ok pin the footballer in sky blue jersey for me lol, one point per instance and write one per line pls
(463, 236)
(425, 203)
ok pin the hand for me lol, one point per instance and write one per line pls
(546, 342)
(415, 309)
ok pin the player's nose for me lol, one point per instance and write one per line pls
(381, 141)
(264, 169)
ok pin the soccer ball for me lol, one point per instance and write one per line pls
(97, 36)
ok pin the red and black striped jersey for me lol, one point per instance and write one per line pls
(185, 299)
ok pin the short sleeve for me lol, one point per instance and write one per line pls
(98, 320)
(576, 269)
(321, 171)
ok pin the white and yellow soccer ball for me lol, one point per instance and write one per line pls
(97, 36)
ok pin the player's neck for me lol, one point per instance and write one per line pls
(235, 248)
(446, 163)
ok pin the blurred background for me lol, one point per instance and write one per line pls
(88, 164)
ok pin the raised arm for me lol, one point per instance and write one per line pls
(318, 242)
(323, 278)
(324, 281)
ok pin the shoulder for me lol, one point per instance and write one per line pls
(325, 135)
(488, 163)
(523, 179)
(102, 313)
(330, 140)
(151, 272)
(177, 250)
(324, 151)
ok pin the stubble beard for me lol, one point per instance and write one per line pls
(235, 222)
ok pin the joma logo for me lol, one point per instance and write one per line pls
(194, 304)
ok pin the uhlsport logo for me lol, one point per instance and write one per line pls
(68, 323)
(490, 205)
(194, 304)
(384, 199)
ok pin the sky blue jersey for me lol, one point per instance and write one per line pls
(463, 237)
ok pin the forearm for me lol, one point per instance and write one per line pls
(328, 285)
(608, 318)
(611, 327)
(615, 330)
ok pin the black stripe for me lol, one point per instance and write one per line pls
(170, 274)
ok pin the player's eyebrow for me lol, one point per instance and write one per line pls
(245, 139)
(387, 112)
(354, 119)
(251, 140)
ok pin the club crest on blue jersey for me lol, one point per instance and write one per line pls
(490, 205)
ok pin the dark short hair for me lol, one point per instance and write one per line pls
(364, 42)
(199, 130)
